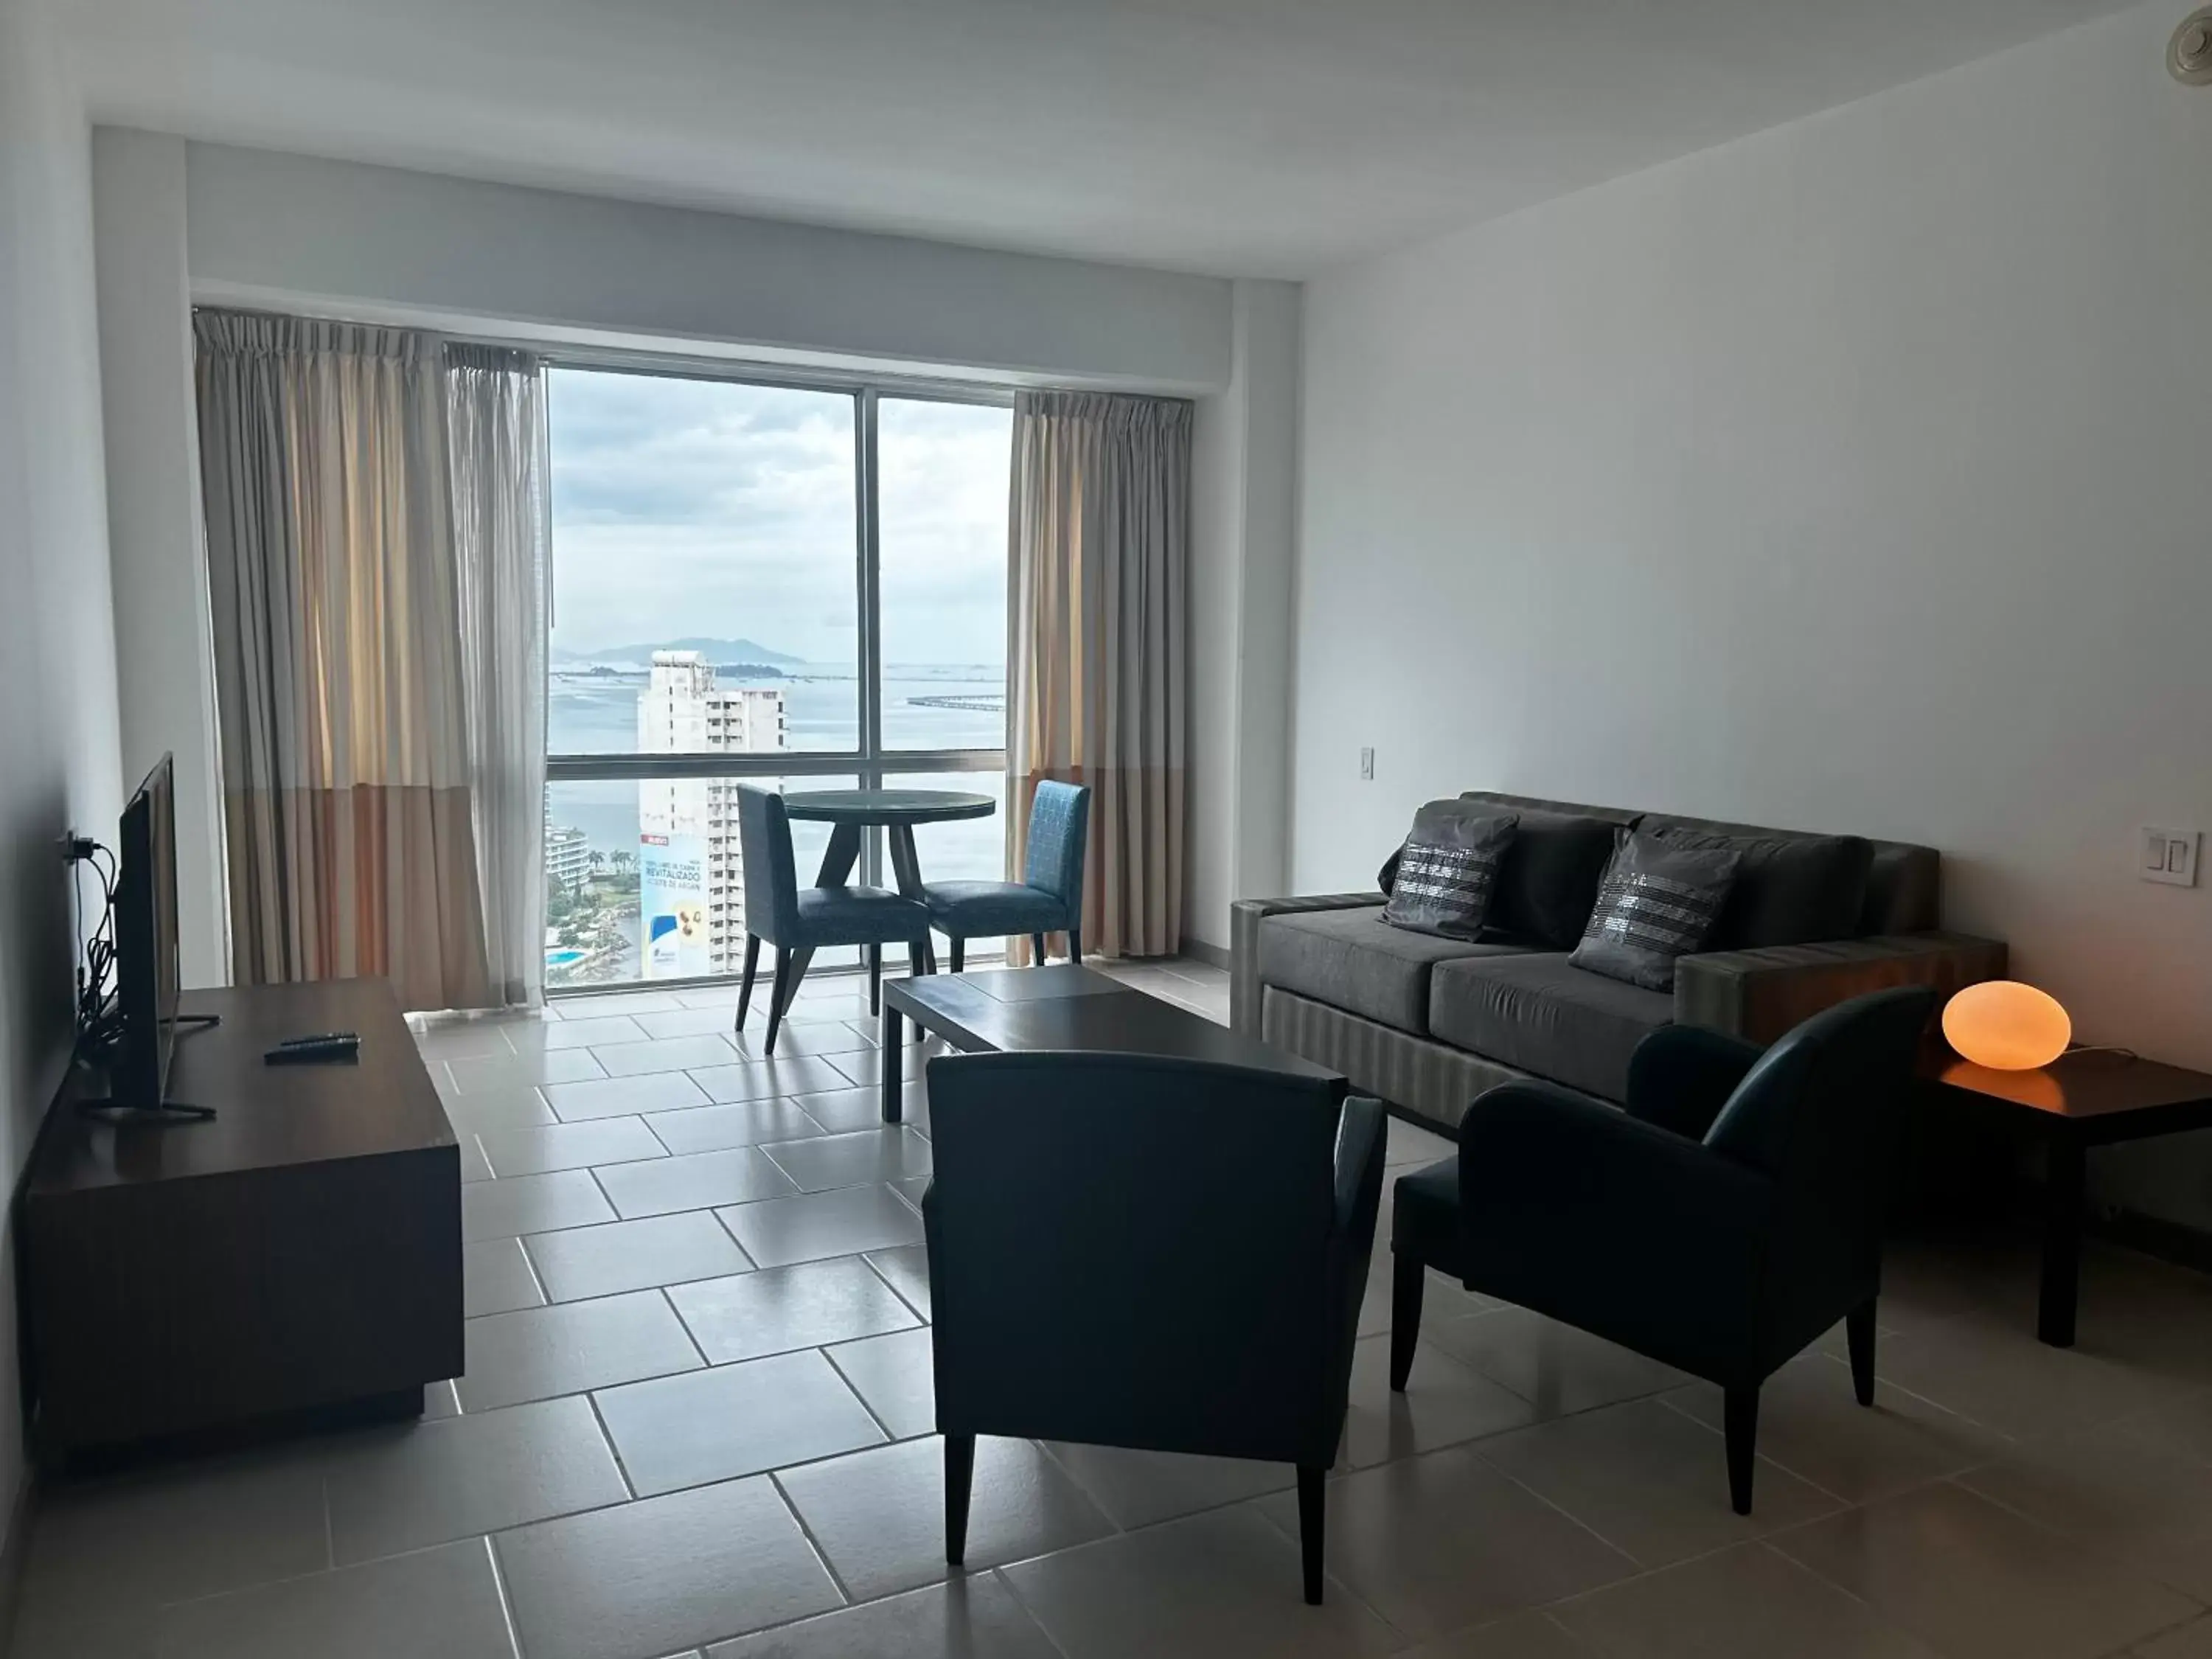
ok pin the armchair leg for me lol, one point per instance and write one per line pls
(959, 1475)
(752, 967)
(875, 979)
(1858, 1330)
(1313, 1486)
(1036, 943)
(959, 956)
(1408, 1278)
(1075, 945)
(1739, 1414)
(778, 995)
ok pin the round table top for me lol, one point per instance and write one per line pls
(886, 805)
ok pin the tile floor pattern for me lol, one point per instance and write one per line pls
(696, 1423)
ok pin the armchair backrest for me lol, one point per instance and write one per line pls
(1059, 829)
(771, 876)
(1138, 1251)
(1819, 1114)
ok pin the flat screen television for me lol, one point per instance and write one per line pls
(148, 975)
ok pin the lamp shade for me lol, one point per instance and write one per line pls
(2006, 1026)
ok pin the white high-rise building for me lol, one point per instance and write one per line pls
(691, 874)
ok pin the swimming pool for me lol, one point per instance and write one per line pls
(563, 957)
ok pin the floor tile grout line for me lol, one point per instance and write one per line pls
(1841, 1502)
(853, 1389)
(821, 1554)
(898, 1295)
(506, 1599)
(1013, 1589)
(607, 1434)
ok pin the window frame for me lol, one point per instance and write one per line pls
(870, 761)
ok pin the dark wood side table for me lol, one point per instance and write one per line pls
(2084, 1098)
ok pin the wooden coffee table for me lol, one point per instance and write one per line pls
(1024, 1009)
(2088, 1098)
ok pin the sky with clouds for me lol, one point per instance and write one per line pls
(711, 508)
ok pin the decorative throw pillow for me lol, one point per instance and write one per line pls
(1790, 889)
(1657, 902)
(1387, 877)
(1447, 870)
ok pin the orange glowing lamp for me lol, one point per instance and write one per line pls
(2006, 1026)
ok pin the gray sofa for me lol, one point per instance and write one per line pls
(1427, 1024)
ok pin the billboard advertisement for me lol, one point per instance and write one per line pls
(671, 872)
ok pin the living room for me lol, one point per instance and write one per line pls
(1611, 433)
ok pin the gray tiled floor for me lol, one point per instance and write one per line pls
(736, 1458)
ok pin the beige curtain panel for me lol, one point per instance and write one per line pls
(1099, 553)
(340, 676)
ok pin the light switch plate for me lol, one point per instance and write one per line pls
(1367, 765)
(2168, 855)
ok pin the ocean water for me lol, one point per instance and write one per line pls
(598, 715)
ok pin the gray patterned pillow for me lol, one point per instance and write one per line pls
(1657, 902)
(1447, 869)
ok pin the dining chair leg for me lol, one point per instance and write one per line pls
(1313, 1489)
(875, 979)
(779, 995)
(918, 961)
(1036, 943)
(957, 955)
(752, 967)
(959, 1476)
(1075, 945)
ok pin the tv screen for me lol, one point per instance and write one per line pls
(147, 973)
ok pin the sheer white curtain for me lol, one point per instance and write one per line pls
(496, 416)
(376, 563)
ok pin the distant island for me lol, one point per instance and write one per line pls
(729, 656)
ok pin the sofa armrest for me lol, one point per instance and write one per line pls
(1759, 995)
(1245, 916)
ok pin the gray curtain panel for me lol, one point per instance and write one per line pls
(495, 416)
(1099, 550)
(343, 682)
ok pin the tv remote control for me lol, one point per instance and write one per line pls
(312, 1051)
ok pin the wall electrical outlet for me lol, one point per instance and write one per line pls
(2168, 855)
(1367, 765)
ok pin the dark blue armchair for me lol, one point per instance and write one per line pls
(1729, 1217)
(799, 920)
(1047, 899)
(1130, 1250)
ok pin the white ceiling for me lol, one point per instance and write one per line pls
(1239, 136)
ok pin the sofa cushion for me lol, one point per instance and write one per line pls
(1790, 889)
(1351, 959)
(1549, 879)
(1538, 1014)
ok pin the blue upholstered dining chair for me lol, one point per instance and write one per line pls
(1047, 899)
(799, 920)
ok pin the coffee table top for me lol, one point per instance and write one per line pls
(887, 807)
(1061, 1006)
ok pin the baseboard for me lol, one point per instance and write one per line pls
(16, 1548)
(1212, 955)
(2169, 1240)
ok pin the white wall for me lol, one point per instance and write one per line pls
(59, 764)
(161, 624)
(1850, 477)
(266, 225)
(1243, 510)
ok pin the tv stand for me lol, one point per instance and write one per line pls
(295, 1261)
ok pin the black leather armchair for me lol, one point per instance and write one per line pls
(1729, 1217)
(1155, 1253)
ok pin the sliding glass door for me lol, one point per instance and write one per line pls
(803, 586)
